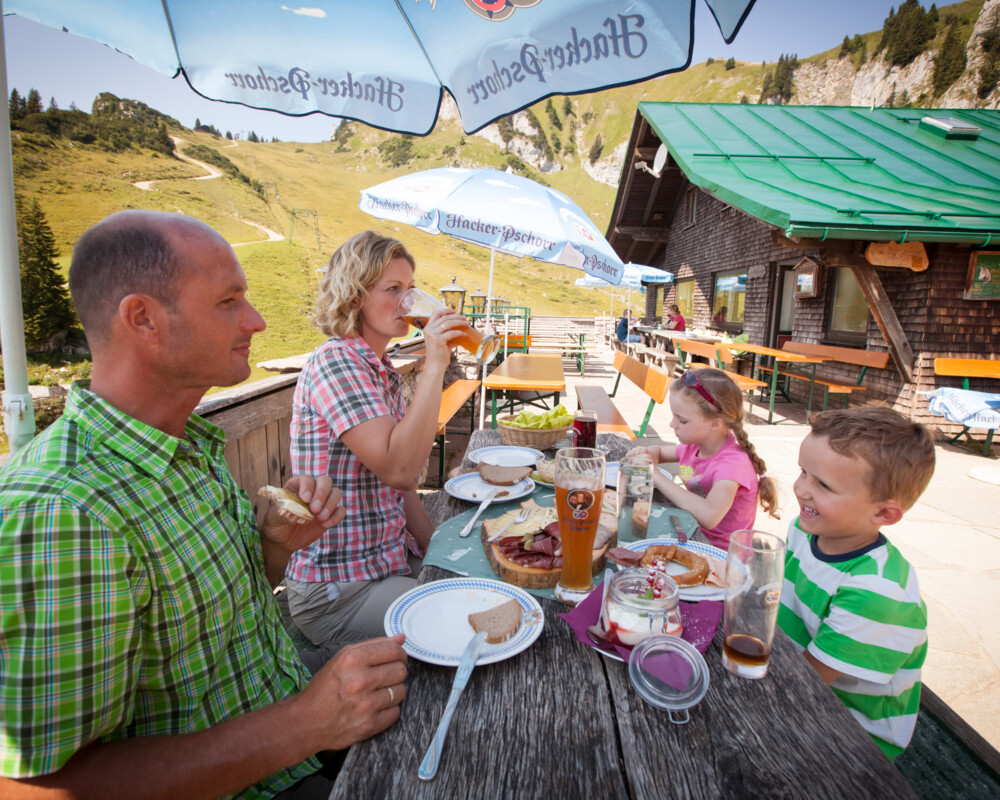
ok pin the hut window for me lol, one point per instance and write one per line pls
(728, 300)
(847, 320)
(684, 297)
(692, 202)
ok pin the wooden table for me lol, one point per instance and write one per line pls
(560, 721)
(777, 356)
(522, 372)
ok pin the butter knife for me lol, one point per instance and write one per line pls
(678, 530)
(429, 766)
(482, 507)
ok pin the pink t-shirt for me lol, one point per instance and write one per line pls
(731, 463)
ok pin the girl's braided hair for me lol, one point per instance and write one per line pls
(730, 399)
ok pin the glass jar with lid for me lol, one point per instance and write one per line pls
(640, 603)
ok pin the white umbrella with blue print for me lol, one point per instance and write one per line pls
(501, 211)
(386, 63)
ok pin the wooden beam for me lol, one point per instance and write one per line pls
(778, 239)
(885, 316)
(643, 234)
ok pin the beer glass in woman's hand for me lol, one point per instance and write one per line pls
(416, 307)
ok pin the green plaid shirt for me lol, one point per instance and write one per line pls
(133, 600)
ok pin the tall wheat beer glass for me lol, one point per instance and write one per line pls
(416, 307)
(579, 482)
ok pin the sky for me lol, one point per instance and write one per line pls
(75, 70)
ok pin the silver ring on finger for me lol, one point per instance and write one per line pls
(392, 696)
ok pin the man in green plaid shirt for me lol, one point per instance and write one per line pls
(141, 652)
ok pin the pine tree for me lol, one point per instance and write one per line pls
(53, 106)
(568, 108)
(731, 63)
(34, 102)
(949, 64)
(845, 48)
(550, 110)
(596, 149)
(47, 307)
(16, 106)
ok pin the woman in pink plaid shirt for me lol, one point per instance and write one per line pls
(349, 421)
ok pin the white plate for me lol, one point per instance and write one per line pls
(506, 456)
(692, 593)
(435, 619)
(473, 488)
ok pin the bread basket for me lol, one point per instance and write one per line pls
(538, 438)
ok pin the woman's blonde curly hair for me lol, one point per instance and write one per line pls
(353, 270)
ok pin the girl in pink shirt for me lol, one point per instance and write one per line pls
(723, 475)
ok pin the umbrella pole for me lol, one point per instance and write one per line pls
(18, 409)
(486, 331)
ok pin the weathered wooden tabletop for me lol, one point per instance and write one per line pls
(560, 721)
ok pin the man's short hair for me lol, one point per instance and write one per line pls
(899, 451)
(126, 253)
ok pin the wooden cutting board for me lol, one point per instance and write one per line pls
(531, 577)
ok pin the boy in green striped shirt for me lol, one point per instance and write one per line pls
(850, 600)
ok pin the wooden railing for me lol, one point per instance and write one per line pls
(256, 418)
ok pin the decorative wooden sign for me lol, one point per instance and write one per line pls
(982, 282)
(808, 276)
(909, 255)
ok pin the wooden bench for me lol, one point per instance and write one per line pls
(835, 355)
(719, 356)
(455, 395)
(966, 368)
(609, 419)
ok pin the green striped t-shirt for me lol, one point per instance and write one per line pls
(133, 600)
(861, 614)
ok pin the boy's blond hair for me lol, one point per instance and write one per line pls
(899, 452)
(353, 270)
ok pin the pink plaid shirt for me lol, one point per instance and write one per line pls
(342, 385)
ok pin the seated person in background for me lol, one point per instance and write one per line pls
(720, 315)
(142, 651)
(850, 601)
(622, 329)
(676, 321)
(349, 420)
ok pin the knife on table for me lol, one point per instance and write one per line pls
(482, 507)
(678, 530)
(429, 766)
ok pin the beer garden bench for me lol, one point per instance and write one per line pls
(864, 359)
(456, 394)
(652, 381)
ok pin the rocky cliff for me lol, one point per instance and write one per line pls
(835, 83)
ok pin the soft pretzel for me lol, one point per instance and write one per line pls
(697, 567)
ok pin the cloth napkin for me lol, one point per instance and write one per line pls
(700, 620)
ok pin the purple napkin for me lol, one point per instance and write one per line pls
(700, 620)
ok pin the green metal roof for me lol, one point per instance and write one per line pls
(827, 172)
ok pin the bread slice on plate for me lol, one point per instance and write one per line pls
(503, 476)
(500, 622)
(289, 506)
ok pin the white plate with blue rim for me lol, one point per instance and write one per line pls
(506, 456)
(435, 619)
(471, 487)
(690, 593)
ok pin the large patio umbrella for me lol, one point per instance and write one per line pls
(383, 62)
(504, 212)
(387, 62)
